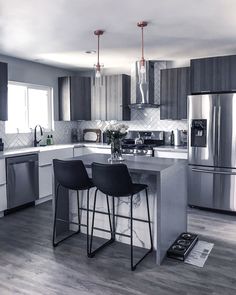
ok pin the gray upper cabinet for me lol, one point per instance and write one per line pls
(74, 98)
(213, 74)
(175, 87)
(111, 100)
(3, 92)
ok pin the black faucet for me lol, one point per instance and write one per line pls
(36, 142)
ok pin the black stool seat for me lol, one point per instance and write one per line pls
(71, 175)
(114, 180)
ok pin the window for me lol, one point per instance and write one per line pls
(28, 105)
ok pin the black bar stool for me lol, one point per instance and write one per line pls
(114, 180)
(71, 175)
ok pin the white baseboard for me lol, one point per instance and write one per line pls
(42, 200)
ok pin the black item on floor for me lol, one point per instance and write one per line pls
(71, 175)
(115, 181)
(182, 246)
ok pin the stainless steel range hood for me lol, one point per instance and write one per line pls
(146, 95)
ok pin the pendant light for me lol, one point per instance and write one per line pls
(142, 64)
(98, 74)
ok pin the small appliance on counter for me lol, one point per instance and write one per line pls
(92, 135)
(1, 145)
(74, 135)
(182, 246)
(177, 137)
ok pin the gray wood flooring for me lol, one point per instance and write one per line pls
(30, 265)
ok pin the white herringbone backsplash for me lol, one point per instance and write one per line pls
(146, 119)
(61, 134)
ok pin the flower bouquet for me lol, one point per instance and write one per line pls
(115, 132)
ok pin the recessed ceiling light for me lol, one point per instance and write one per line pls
(90, 51)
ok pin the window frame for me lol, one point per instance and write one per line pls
(50, 107)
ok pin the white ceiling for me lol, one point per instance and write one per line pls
(58, 32)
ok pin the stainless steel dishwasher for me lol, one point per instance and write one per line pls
(22, 180)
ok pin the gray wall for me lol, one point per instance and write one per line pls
(31, 72)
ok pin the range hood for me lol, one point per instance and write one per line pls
(146, 95)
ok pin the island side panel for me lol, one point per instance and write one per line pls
(171, 207)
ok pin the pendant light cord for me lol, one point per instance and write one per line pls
(142, 45)
(98, 50)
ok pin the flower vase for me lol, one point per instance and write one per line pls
(116, 151)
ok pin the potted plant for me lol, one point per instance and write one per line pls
(115, 132)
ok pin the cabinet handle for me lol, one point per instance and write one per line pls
(45, 165)
(205, 91)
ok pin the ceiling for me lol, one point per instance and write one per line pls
(58, 32)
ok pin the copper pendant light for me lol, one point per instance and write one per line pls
(142, 63)
(98, 75)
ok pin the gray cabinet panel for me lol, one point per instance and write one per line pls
(98, 100)
(111, 100)
(74, 98)
(174, 91)
(183, 91)
(118, 97)
(80, 98)
(213, 74)
(3, 92)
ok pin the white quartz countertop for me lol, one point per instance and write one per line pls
(29, 150)
(170, 148)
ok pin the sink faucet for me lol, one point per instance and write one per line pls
(36, 142)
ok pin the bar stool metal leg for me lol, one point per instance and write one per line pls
(133, 266)
(78, 208)
(111, 240)
(113, 219)
(131, 233)
(88, 223)
(149, 220)
(55, 220)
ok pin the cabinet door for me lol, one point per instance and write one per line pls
(232, 73)
(74, 98)
(164, 95)
(98, 101)
(3, 197)
(183, 91)
(3, 92)
(202, 75)
(80, 98)
(114, 97)
(45, 181)
(64, 98)
(169, 94)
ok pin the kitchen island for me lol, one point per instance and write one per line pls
(167, 183)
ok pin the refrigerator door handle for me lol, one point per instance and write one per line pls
(214, 132)
(213, 171)
(219, 127)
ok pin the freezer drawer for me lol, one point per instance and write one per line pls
(212, 188)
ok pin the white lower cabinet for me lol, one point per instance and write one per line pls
(45, 181)
(170, 154)
(3, 197)
(80, 151)
(46, 169)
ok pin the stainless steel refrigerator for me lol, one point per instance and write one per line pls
(212, 151)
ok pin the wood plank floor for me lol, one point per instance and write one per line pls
(30, 265)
